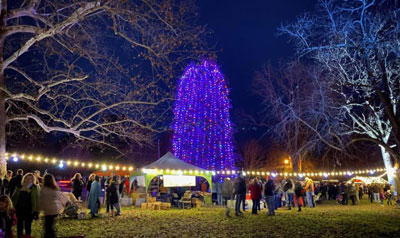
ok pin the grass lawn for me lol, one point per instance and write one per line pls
(326, 220)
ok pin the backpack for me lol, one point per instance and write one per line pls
(287, 186)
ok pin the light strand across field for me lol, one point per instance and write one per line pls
(61, 163)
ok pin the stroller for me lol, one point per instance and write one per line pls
(72, 207)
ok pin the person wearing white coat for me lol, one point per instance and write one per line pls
(49, 202)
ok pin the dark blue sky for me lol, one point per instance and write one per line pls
(246, 31)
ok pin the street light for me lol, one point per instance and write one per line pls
(286, 161)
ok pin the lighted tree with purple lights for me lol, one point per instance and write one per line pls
(202, 127)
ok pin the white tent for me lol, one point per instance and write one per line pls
(169, 161)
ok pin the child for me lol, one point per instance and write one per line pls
(6, 216)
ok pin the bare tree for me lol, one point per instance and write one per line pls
(356, 45)
(96, 69)
(296, 108)
(252, 156)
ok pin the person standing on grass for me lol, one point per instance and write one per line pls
(240, 192)
(298, 190)
(289, 193)
(278, 194)
(352, 193)
(343, 191)
(121, 185)
(50, 203)
(113, 195)
(375, 192)
(370, 193)
(89, 184)
(107, 194)
(309, 191)
(381, 194)
(227, 193)
(77, 185)
(219, 192)
(357, 194)
(94, 196)
(255, 194)
(360, 192)
(26, 202)
(269, 194)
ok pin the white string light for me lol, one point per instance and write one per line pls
(15, 157)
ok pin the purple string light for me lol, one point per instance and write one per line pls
(202, 128)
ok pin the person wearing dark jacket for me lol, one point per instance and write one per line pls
(15, 181)
(239, 191)
(26, 202)
(77, 185)
(121, 186)
(269, 194)
(6, 183)
(113, 195)
(298, 191)
(89, 185)
(107, 198)
(255, 193)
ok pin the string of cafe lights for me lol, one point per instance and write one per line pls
(15, 157)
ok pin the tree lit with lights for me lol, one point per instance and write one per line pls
(202, 128)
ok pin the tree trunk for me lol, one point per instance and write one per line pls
(389, 168)
(3, 162)
(298, 164)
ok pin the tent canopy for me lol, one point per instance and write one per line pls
(169, 161)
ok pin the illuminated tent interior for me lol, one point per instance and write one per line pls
(167, 165)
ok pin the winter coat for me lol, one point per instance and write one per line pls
(88, 184)
(77, 187)
(239, 186)
(309, 186)
(375, 188)
(227, 189)
(34, 199)
(255, 191)
(298, 189)
(218, 187)
(279, 187)
(113, 192)
(49, 201)
(352, 190)
(214, 188)
(269, 188)
(14, 182)
(289, 186)
(95, 193)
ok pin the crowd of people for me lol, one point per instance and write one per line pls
(24, 196)
(276, 193)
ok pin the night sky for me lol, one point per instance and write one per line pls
(246, 31)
